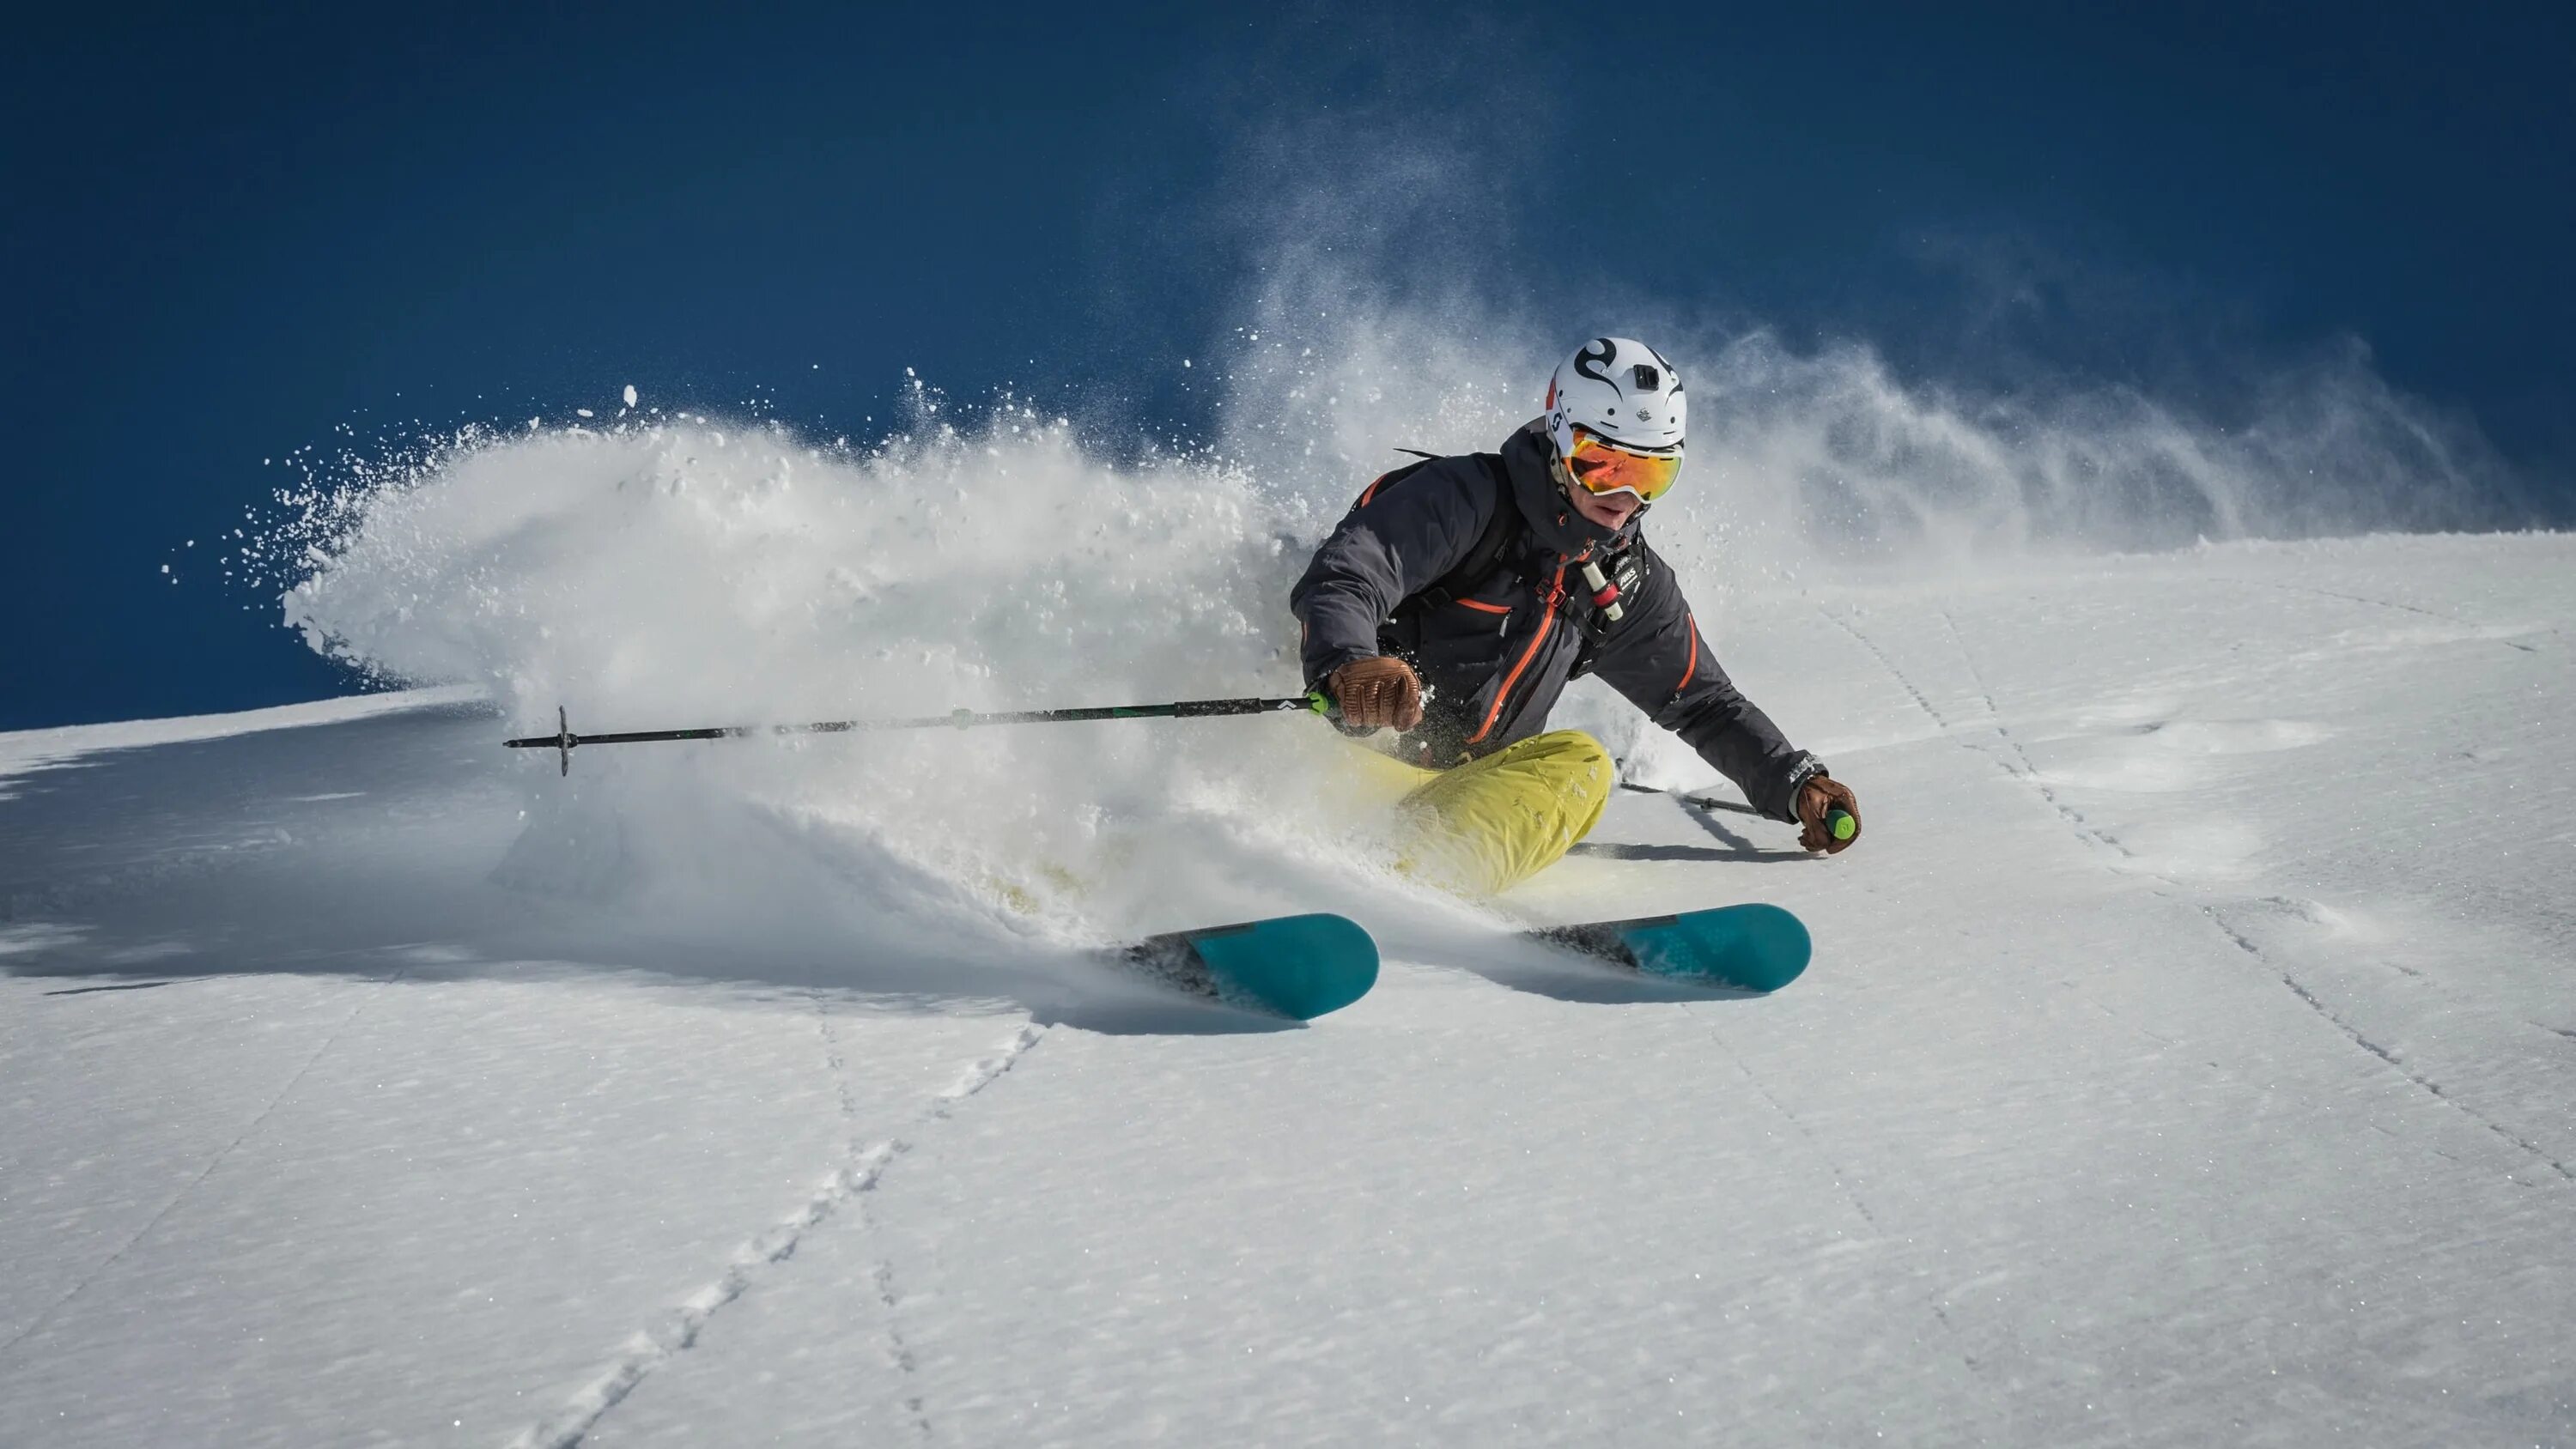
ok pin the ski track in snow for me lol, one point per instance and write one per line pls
(1816, 1148)
(649, 1348)
(882, 1279)
(2028, 773)
(898, 1350)
(1863, 640)
(329, 1040)
(2394, 1062)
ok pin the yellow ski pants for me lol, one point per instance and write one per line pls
(1487, 825)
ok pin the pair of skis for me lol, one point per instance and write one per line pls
(1304, 966)
(1301, 967)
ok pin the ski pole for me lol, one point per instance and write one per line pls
(563, 741)
(1705, 802)
(1838, 821)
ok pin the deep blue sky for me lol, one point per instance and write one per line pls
(228, 237)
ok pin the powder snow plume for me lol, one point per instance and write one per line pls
(669, 571)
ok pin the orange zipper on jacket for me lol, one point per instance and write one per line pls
(1546, 624)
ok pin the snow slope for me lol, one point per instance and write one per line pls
(2189, 1058)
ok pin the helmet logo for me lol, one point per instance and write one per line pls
(1589, 361)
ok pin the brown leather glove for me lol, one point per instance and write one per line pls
(1378, 691)
(1818, 795)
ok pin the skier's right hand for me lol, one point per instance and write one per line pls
(1818, 797)
(1380, 691)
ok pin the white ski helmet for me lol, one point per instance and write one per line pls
(1620, 389)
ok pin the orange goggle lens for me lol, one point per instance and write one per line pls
(1603, 467)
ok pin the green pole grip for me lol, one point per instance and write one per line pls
(1841, 824)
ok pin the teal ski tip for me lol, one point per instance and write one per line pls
(1298, 967)
(1752, 947)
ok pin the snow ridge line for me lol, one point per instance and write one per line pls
(2384, 604)
(2317, 1004)
(678, 1331)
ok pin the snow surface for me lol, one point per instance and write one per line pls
(2189, 1058)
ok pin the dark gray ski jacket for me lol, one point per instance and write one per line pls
(1495, 652)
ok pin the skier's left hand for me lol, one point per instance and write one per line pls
(1818, 795)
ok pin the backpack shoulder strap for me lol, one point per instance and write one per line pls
(1390, 478)
(1481, 560)
(1472, 571)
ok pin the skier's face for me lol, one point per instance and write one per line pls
(1607, 510)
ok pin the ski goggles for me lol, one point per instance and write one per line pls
(1602, 466)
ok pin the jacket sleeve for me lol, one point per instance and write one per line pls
(1656, 657)
(1394, 543)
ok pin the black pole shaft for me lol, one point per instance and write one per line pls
(1710, 802)
(1705, 802)
(565, 741)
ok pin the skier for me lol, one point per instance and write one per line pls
(1460, 594)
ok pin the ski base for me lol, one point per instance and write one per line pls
(1299, 967)
(1755, 947)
